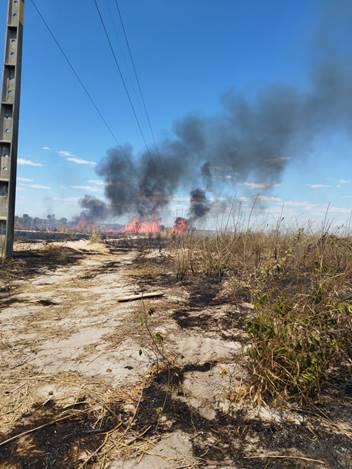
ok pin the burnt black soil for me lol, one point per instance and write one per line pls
(203, 293)
(47, 303)
(203, 290)
(228, 327)
(107, 267)
(159, 280)
(10, 300)
(227, 438)
(155, 272)
(174, 376)
(224, 440)
(27, 264)
(161, 261)
(140, 243)
(58, 445)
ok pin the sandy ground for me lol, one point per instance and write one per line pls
(169, 365)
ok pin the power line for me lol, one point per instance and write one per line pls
(135, 70)
(121, 75)
(74, 71)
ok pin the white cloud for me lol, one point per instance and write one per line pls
(24, 179)
(74, 158)
(65, 153)
(87, 188)
(317, 208)
(96, 182)
(343, 181)
(339, 209)
(46, 148)
(297, 203)
(268, 198)
(303, 204)
(27, 162)
(39, 187)
(278, 159)
(67, 200)
(317, 186)
(258, 185)
(225, 177)
(81, 161)
(26, 183)
(180, 198)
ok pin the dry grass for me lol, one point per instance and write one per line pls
(83, 426)
(95, 237)
(300, 286)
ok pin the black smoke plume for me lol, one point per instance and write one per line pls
(248, 142)
(94, 209)
(207, 176)
(118, 170)
(199, 206)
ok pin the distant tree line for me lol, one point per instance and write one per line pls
(51, 223)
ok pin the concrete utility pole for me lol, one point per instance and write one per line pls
(9, 120)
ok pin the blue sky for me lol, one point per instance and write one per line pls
(188, 54)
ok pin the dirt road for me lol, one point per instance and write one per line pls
(63, 332)
(145, 384)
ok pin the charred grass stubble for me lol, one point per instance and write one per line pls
(300, 285)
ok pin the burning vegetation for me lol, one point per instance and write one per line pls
(245, 349)
(137, 226)
(248, 143)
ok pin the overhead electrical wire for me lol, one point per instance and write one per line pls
(75, 72)
(121, 75)
(135, 70)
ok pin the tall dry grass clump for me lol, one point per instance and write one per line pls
(95, 237)
(301, 287)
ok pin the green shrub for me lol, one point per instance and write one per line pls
(295, 345)
(300, 284)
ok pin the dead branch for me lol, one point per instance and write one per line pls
(278, 456)
(140, 296)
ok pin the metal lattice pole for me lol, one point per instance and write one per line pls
(9, 122)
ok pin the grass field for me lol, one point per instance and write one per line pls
(242, 359)
(299, 286)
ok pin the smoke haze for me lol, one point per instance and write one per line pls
(94, 209)
(248, 140)
(199, 205)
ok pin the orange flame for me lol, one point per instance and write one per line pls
(181, 226)
(139, 226)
